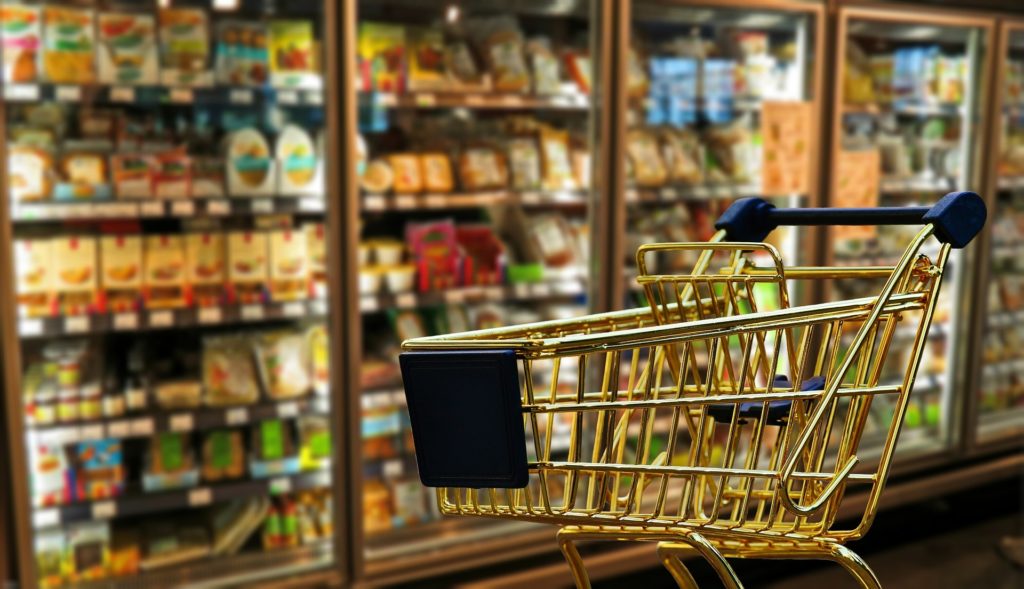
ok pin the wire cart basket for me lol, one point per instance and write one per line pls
(719, 420)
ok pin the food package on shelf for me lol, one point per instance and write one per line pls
(174, 542)
(426, 59)
(298, 163)
(184, 47)
(546, 239)
(207, 177)
(733, 156)
(51, 557)
(314, 442)
(637, 83)
(437, 173)
(482, 168)
(289, 267)
(173, 178)
(580, 68)
(170, 463)
(377, 507)
(22, 40)
(284, 364)
(69, 45)
(557, 166)
(88, 551)
(164, 278)
(241, 57)
(34, 276)
(683, 156)
(642, 150)
(484, 255)
(206, 268)
(316, 258)
(178, 394)
(250, 169)
(435, 253)
(317, 342)
(409, 502)
(378, 177)
(82, 175)
(234, 522)
(547, 79)
(229, 373)
(294, 62)
(881, 68)
(223, 455)
(128, 48)
(408, 173)
(30, 173)
(121, 278)
(125, 552)
(273, 449)
(463, 72)
(248, 272)
(49, 475)
(75, 272)
(134, 175)
(382, 57)
(500, 41)
(98, 470)
(524, 163)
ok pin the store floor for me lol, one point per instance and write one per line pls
(949, 543)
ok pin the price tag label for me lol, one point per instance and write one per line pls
(568, 288)
(494, 293)
(183, 208)
(18, 92)
(426, 99)
(76, 324)
(252, 312)
(126, 321)
(45, 518)
(151, 209)
(263, 205)
(405, 202)
(218, 208)
(68, 93)
(289, 409)
(182, 422)
(374, 202)
(30, 327)
(122, 94)
(521, 291)
(454, 296)
(287, 97)
(142, 427)
(294, 309)
(161, 318)
(181, 95)
(280, 485)
(669, 194)
(200, 497)
(393, 469)
(104, 510)
(530, 198)
(91, 432)
(240, 96)
(236, 416)
(474, 100)
(406, 300)
(513, 100)
(541, 290)
(368, 304)
(311, 205)
(632, 195)
(119, 429)
(386, 99)
(208, 315)
(314, 98)
(435, 201)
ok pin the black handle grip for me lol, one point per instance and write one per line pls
(957, 218)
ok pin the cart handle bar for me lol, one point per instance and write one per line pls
(957, 218)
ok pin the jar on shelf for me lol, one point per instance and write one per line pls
(91, 402)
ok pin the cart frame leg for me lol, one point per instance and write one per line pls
(670, 551)
(848, 559)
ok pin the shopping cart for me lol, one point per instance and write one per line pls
(719, 420)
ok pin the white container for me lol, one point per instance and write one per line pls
(400, 278)
(369, 281)
(388, 253)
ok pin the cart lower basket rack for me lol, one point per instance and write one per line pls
(720, 420)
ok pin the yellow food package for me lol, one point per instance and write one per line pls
(648, 167)
(204, 254)
(29, 173)
(437, 172)
(557, 167)
(289, 270)
(69, 45)
(75, 274)
(164, 277)
(408, 174)
(247, 265)
(33, 267)
(482, 168)
(121, 277)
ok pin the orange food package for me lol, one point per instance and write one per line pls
(408, 173)
(437, 172)
(482, 168)
(557, 166)
(121, 278)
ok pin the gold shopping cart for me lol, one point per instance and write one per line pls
(719, 420)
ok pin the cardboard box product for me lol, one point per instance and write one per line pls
(134, 175)
(33, 267)
(121, 278)
(316, 254)
(206, 267)
(128, 48)
(75, 278)
(248, 272)
(22, 40)
(241, 53)
(69, 37)
(293, 55)
(289, 265)
(184, 47)
(164, 278)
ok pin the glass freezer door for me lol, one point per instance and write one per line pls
(723, 104)
(165, 189)
(474, 156)
(906, 132)
(1000, 397)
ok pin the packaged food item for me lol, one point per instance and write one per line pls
(171, 543)
(463, 72)
(89, 551)
(127, 48)
(733, 152)
(22, 37)
(314, 441)
(248, 272)
(524, 163)
(49, 474)
(409, 502)
(273, 449)
(316, 257)
(251, 171)
(544, 64)
(173, 178)
(482, 168)
(581, 171)
(376, 507)
(170, 463)
(178, 394)
(241, 54)
(501, 44)
(554, 149)
(164, 277)
(437, 173)
(134, 175)
(382, 57)
(75, 272)
(229, 376)
(642, 148)
(234, 522)
(184, 47)
(400, 278)
(83, 176)
(319, 357)
(426, 59)
(408, 175)
(34, 275)
(204, 253)
(293, 62)
(50, 551)
(682, 151)
(289, 271)
(29, 172)
(98, 470)
(378, 177)
(284, 364)
(207, 177)
(580, 69)
(69, 45)
(552, 239)
(125, 552)
(435, 252)
(121, 280)
(298, 162)
(223, 455)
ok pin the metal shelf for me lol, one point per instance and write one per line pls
(684, 193)
(162, 95)
(477, 100)
(55, 211)
(417, 202)
(527, 291)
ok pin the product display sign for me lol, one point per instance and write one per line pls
(857, 186)
(787, 134)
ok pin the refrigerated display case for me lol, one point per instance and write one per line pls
(908, 127)
(473, 165)
(165, 331)
(723, 103)
(998, 399)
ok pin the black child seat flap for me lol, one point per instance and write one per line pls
(778, 411)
